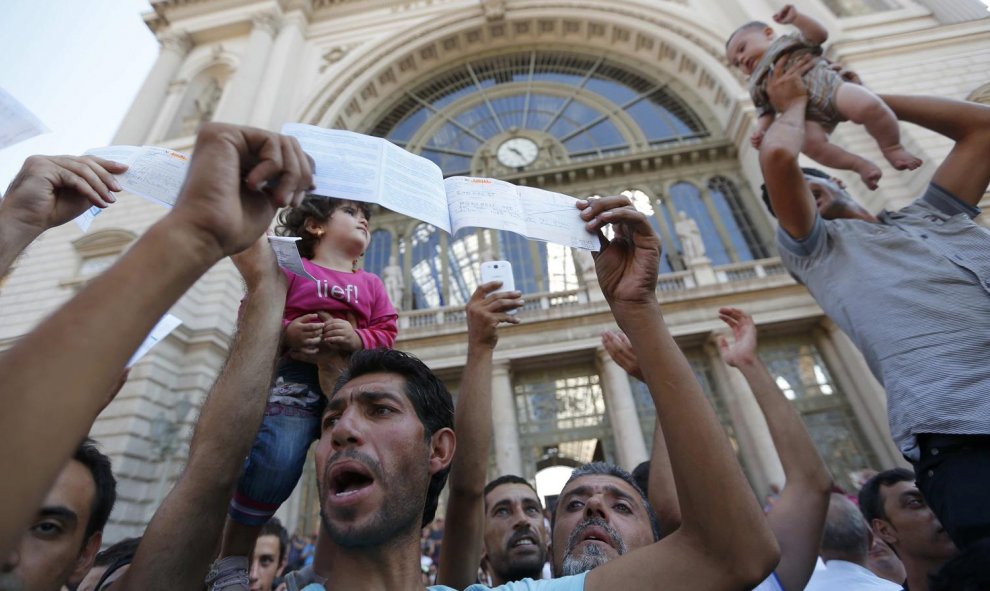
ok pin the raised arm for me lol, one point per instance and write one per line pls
(217, 213)
(49, 191)
(965, 172)
(662, 493)
(460, 550)
(724, 541)
(792, 201)
(183, 536)
(811, 29)
(798, 517)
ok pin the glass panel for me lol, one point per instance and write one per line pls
(687, 198)
(465, 264)
(516, 250)
(726, 197)
(804, 378)
(376, 257)
(426, 279)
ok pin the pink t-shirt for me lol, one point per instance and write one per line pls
(359, 296)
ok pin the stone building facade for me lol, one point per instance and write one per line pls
(595, 98)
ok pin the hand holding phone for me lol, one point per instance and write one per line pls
(499, 271)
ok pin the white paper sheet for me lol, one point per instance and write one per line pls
(16, 122)
(167, 324)
(486, 203)
(554, 217)
(287, 255)
(363, 168)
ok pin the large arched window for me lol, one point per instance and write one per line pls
(572, 107)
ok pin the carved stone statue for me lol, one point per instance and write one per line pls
(692, 246)
(394, 285)
(203, 107)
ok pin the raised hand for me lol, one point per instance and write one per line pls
(487, 309)
(786, 15)
(51, 190)
(237, 178)
(743, 349)
(257, 265)
(784, 83)
(620, 349)
(627, 265)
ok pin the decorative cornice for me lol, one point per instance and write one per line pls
(268, 21)
(176, 41)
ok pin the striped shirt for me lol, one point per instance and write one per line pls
(913, 293)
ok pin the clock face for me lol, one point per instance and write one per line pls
(517, 152)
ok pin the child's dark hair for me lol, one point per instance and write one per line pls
(292, 221)
(751, 25)
(807, 172)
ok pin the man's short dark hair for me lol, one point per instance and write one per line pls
(274, 528)
(98, 465)
(807, 172)
(870, 500)
(606, 469)
(508, 479)
(433, 403)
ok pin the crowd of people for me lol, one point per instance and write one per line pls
(313, 361)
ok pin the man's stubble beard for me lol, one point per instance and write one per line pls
(400, 512)
(592, 556)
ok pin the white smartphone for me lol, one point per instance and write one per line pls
(499, 271)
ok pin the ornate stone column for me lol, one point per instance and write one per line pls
(866, 396)
(148, 103)
(239, 96)
(630, 445)
(275, 93)
(751, 429)
(508, 457)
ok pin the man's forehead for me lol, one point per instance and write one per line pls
(74, 489)
(599, 483)
(511, 491)
(892, 493)
(377, 382)
(267, 544)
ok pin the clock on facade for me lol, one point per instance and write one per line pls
(517, 152)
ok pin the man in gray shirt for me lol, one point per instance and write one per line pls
(910, 287)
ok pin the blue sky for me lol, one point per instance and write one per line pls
(77, 65)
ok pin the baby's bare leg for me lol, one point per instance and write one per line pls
(859, 105)
(817, 146)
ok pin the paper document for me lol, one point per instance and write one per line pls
(287, 255)
(363, 168)
(16, 122)
(167, 324)
(152, 172)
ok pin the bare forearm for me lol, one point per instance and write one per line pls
(193, 513)
(89, 344)
(460, 552)
(786, 133)
(663, 492)
(811, 29)
(799, 457)
(694, 438)
(13, 241)
(952, 118)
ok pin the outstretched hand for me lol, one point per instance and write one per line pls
(51, 190)
(627, 265)
(786, 15)
(237, 178)
(785, 87)
(487, 309)
(620, 349)
(743, 349)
